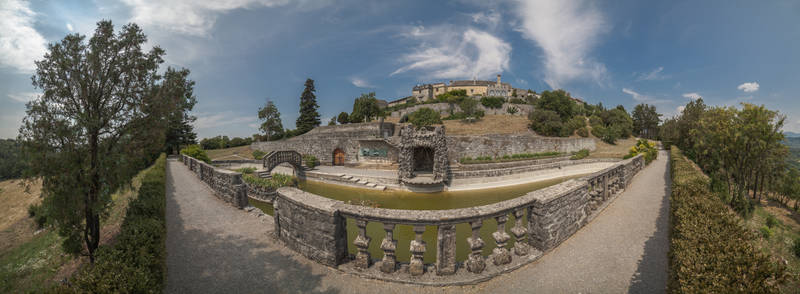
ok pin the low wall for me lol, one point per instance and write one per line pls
(444, 109)
(508, 144)
(314, 226)
(506, 171)
(227, 185)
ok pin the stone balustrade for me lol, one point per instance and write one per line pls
(315, 226)
(227, 185)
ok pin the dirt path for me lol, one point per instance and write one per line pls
(213, 247)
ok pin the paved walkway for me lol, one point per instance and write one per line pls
(213, 247)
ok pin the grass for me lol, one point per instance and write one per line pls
(16, 200)
(277, 181)
(780, 243)
(618, 150)
(507, 158)
(33, 261)
(231, 153)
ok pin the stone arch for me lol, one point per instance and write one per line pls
(292, 157)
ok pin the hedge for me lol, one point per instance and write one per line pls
(136, 262)
(710, 249)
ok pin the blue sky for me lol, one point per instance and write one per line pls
(244, 52)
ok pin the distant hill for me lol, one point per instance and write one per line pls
(791, 135)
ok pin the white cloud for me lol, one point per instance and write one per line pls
(447, 52)
(749, 87)
(653, 75)
(24, 97)
(361, 83)
(189, 16)
(491, 18)
(638, 97)
(70, 28)
(693, 95)
(20, 43)
(566, 31)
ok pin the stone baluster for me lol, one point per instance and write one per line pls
(417, 267)
(520, 232)
(605, 187)
(446, 250)
(475, 263)
(501, 254)
(362, 243)
(389, 245)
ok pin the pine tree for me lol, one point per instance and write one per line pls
(309, 117)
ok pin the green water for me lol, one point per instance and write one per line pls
(421, 201)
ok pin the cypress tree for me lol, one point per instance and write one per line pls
(309, 117)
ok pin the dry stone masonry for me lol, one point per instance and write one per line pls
(227, 185)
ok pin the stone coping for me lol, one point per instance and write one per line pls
(448, 216)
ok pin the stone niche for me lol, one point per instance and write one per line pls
(423, 155)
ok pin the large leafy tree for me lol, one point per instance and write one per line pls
(309, 117)
(271, 125)
(179, 90)
(558, 101)
(101, 118)
(645, 121)
(365, 108)
(343, 118)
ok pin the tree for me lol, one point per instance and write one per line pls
(424, 117)
(102, 117)
(365, 108)
(558, 101)
(547, 123)
(309, 117)
(271, 125)
(646, 121)
(343, 118)
(179, 88)
(332, 122)
(12, 164)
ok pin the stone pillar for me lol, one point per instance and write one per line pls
(417, 266)
(475, 262)
(362, 243)
(446, 250)
(520, 232)
(501, 254)
(389, 245)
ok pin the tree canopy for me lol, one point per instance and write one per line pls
(646, 121)
(309, 117)
(365, 108)
(271, 125)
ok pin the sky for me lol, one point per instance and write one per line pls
(242, 53)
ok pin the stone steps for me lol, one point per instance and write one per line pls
(360, 181)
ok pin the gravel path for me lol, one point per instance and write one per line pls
(213, 247)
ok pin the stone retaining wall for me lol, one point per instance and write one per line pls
(497, 145)
(227, 185)
(444, 109)
(315, 227)
(498, 172)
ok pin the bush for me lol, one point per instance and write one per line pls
(796, 247)
(277, 181)
(583, 132)
(509, 157)
(258, 154)
(576, 122)
(136, 262)
(310, 160)
(517, 101)
(765, 232)
(512, 110)
(246, 170)
(196, 152)
(38, 214)
(493, 102)
(547, 123)
(424, 117)
(710, 250)
(583, 153)
(771, 221)
(644, 147)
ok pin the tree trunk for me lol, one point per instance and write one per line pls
(92, 230)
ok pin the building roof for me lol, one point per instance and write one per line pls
(399, 100)
(474, 83)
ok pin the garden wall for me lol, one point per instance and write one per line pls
(227, 185)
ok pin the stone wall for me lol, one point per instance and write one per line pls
(507, 144)
(444, 109)
(227, 185)
(505, 171)
(310, 225)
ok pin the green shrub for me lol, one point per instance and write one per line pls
(581, 154)
(424, 117)
(38, 214)
(277, 181)
(310, 160)
(576, 122)
(517, 101)
(493, 102)
(644, 147)
(547, 123)
(197, 152)
(509, 157)
(710, 250)
(583, 132)
(246, 170)
(771, 221)
(258, 154)
(796, 247)
(765, 232)
(512, 110)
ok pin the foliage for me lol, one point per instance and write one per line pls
(12, 162)
(277, 181)
(512, 110)
(558, 101)
(610, 125)
(576, 122)
(452, 97)
(258, 154)
(583, 132)
(38, 214)
(424, 117)
(710, 250)
(196, 152)
(645, 121)
(517, 101)
(581, 154)
(271, 125)
(310, 160)
(771, 221)
(796, 247)
(469, 111)
(103, 116)
(512, 157)
(644, 147)
(365, 108)
(766, 232)
(493, 102)
(136, 263)
(547, 123)
(222, 142)
(309, 117)
(343, 118)
(180, 90)
(246, 170)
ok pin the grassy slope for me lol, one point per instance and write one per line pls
(15, 226)
(36, 260)
(228, 153)
(780, 243)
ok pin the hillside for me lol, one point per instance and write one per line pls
(794, 151)
(489, 124)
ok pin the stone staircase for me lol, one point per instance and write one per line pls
(264, 175)
(359, 181)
